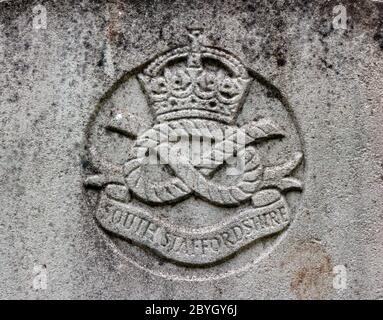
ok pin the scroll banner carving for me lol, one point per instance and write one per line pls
(192, 245)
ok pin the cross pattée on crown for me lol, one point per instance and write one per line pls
(194, 58)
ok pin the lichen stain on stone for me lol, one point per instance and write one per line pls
(115, 11)
(312, 272)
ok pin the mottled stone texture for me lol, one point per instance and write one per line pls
(52, 79)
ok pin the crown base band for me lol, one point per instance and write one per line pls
(200, 114)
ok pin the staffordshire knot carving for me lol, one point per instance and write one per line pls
(196, 93)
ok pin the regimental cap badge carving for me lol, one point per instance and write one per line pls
(183, 207)
(196, 81)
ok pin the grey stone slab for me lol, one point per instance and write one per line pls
(87, 86)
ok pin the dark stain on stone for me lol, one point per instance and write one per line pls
(85, 164)
(280, 55)
(326, 64)
(101, 62)
(378, 36)
(281, 62)
(250, 7)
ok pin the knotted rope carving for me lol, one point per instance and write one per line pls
(189, 178)
(161, 140)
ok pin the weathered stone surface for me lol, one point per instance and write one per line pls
(88, 88)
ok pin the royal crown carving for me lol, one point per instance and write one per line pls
(196, 81)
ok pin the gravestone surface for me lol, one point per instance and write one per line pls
(191, 149)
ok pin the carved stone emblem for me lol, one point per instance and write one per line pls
(179, 168)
